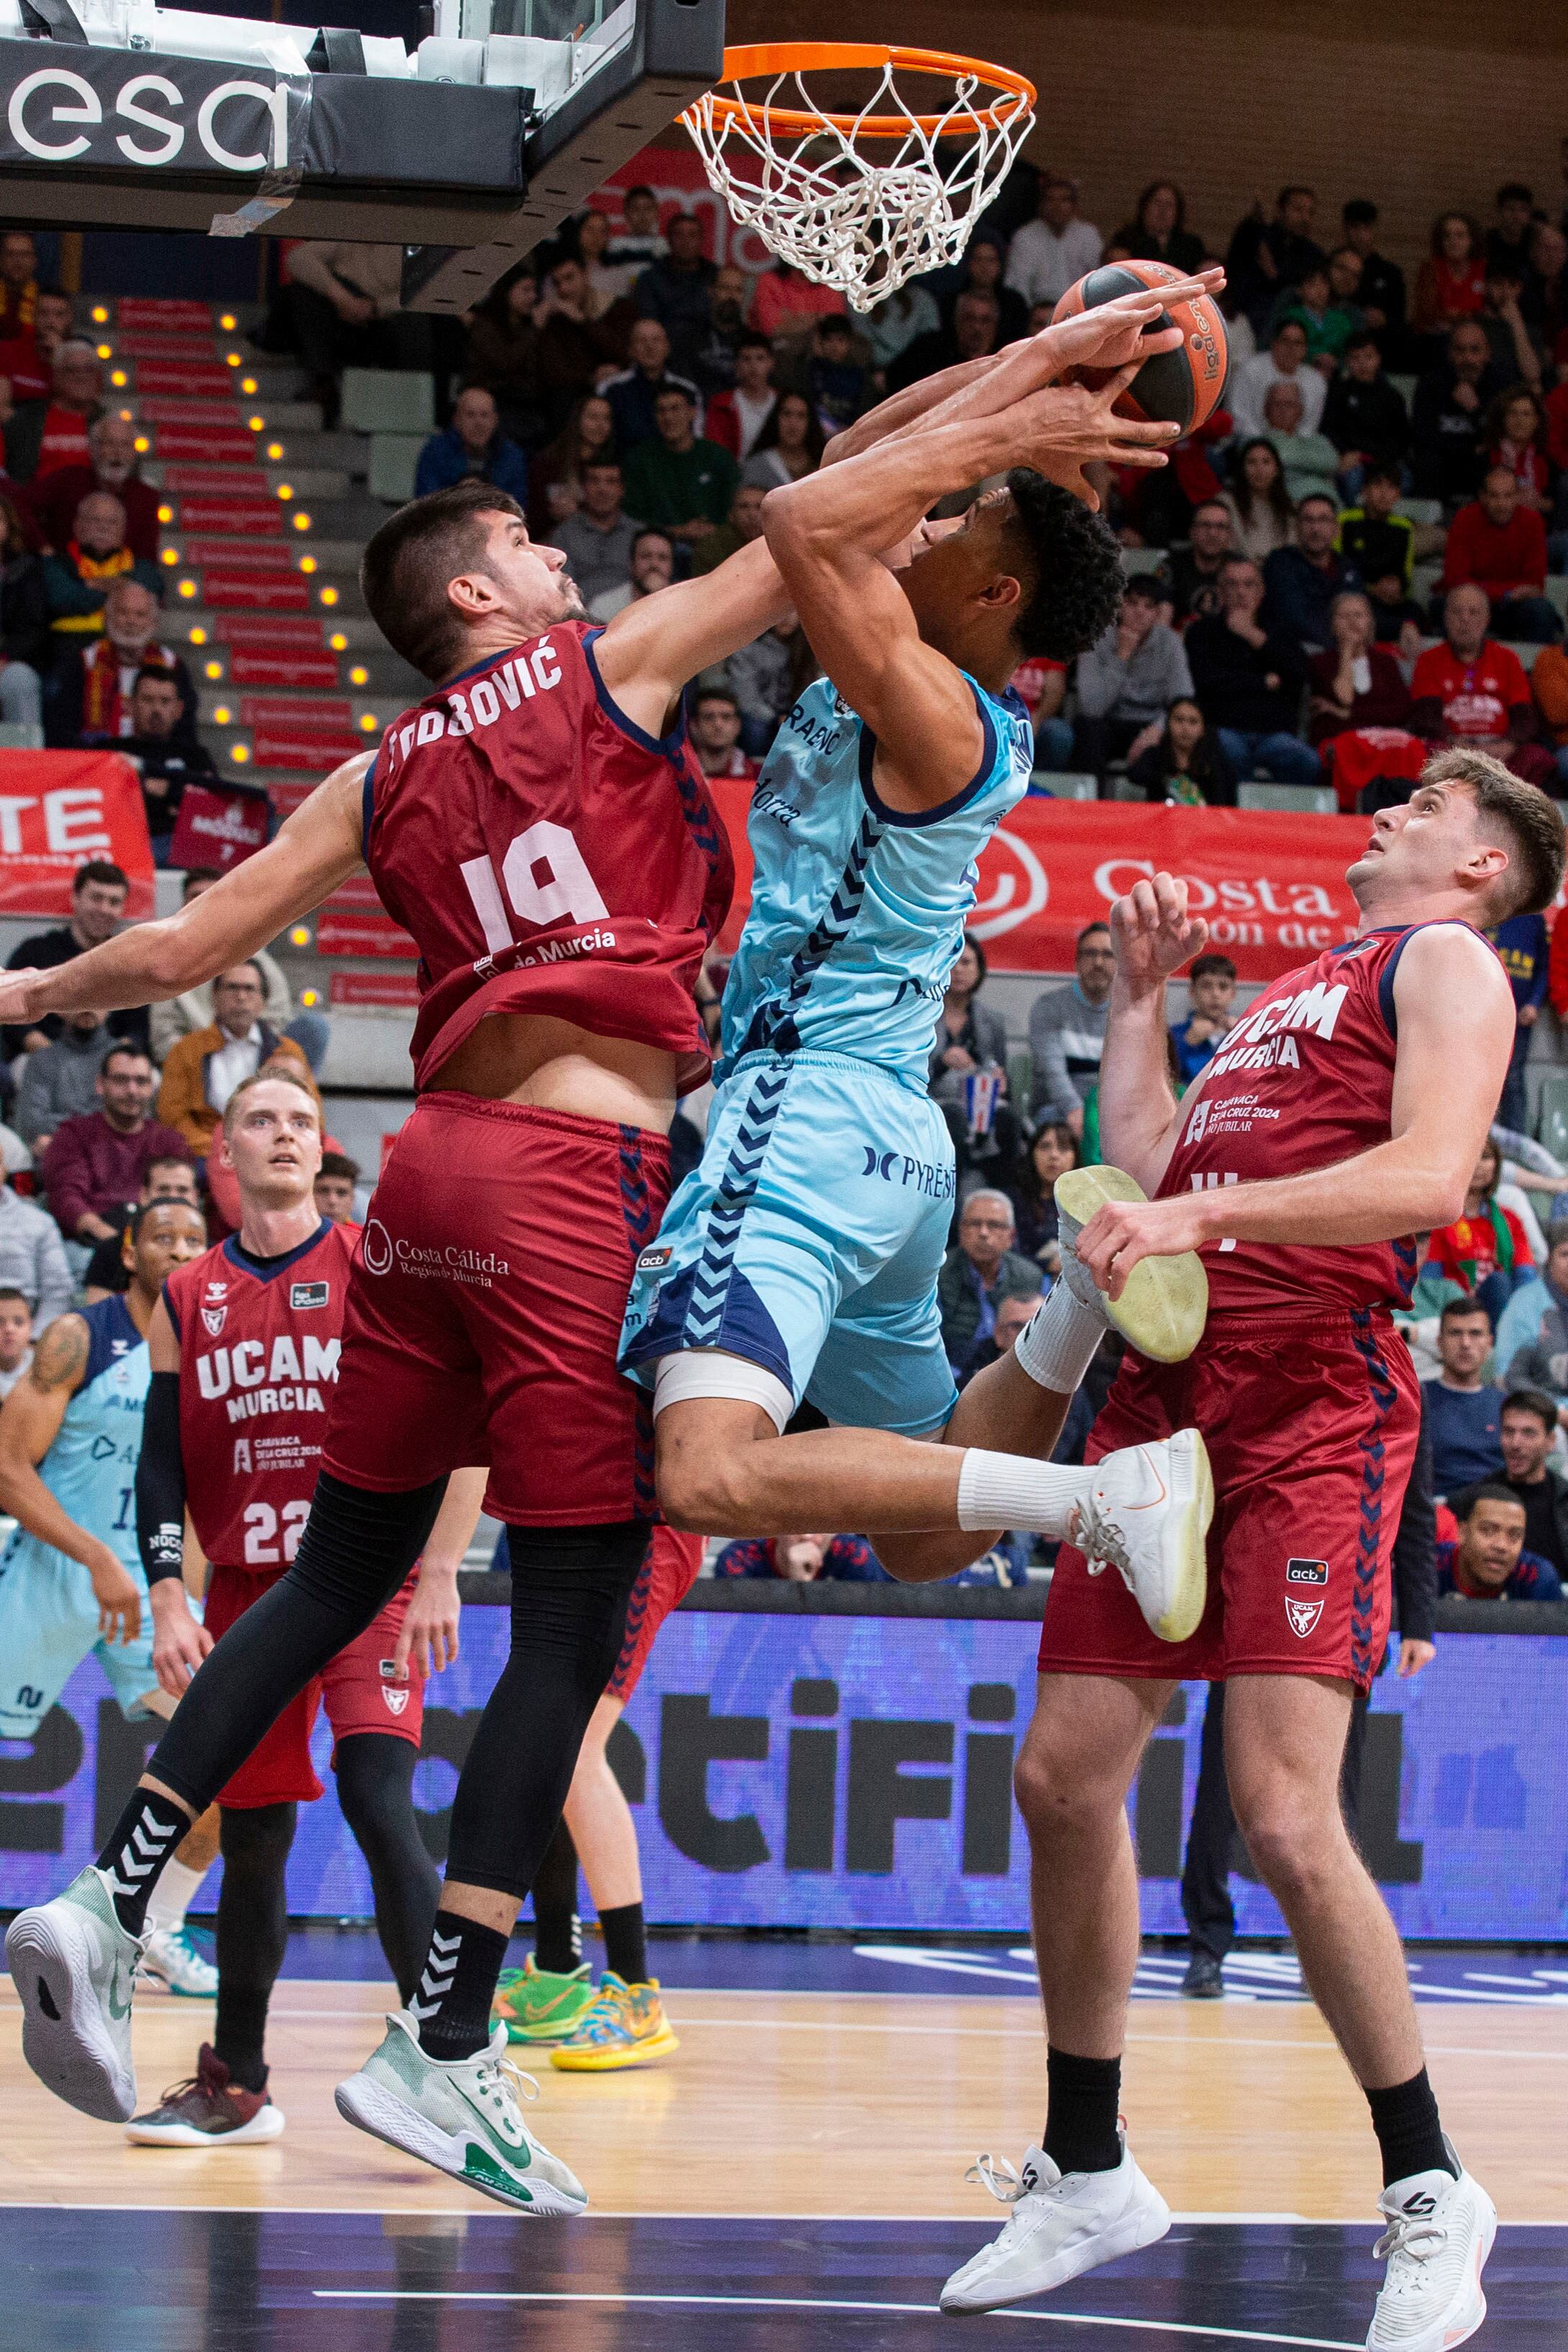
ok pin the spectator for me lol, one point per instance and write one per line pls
(53, 498)
(597, 539)
(90, 696)
(637, 242)
(676, 289)
(1261, 515)
(1447, 415)
(1489, 1562)
(1486, 1249)
(784, 304)
(1356, 682)
(736, 417)
(1302, 582)
(1548, 691)
(1501, 547)
(1186, 765)
(1128, 680)
(1451, 282)
(789, 446)
(335, 1180)
(1522, 944)
(897, 320)
(502, 354)
(713, 726)
(982, 266)
(1464, 1411)
(1041, 686)
(162, 1180)
(1507, 244)
(1193, 571)
(1053, 1149)
(1265, 256)
(653, 567)
(1211, 1015)
(1248, 681)
(1515, 438)
(975, 333)
(16, 1339)
(1365, 416)
(971, 1042)
(203, 1069)
(801, 1559)
(837, 386)
(1544, 298)
(1377, 543)
(766, 678)
(634, 394)
(677, 483)
(1310, 461)
(473, 447)
(18, 283)
(28, 362)
(1533, 1333)
(25, 647)
(1052, 253)
(45, 435)
(78, 577)
(32, 1257)
(579, 350)
(1382, 281)
(1324, 307)
(345, 307)
(1471, 691)
(60, 1081)
(1158, 230)
(165, 759)
(97, 902)
(743, 525)
(1067, 1031)
(555, 475)
(179, 1016)
(1532, 1477)
(713, 361)
(97, 1161)
(981, 1270)
(1285, 362)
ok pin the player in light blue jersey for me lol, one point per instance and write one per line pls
(72, 1581)
(798, 1261)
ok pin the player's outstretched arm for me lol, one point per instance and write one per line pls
(314, 850)
(1454, 1010)
(29, 1423)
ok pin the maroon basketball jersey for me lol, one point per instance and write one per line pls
(548, 856)
(1305, 1079)
(258, 1361)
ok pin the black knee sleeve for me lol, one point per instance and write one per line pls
(375, 1775)
(569, 1592)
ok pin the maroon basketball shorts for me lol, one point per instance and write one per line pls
(484, 1314)
(359, 1688)
(1310, 1425)
(668, 1573)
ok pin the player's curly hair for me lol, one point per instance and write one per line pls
(1073, 583)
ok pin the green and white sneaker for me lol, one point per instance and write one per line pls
(463, 2116)
(1162, 1310)
(538, 2006)
(172, 1961)
(73, 1966)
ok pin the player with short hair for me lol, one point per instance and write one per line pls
(1342, 1115)
(335, 1182)
(72, 1582)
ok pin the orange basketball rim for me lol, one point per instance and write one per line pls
(772, 60)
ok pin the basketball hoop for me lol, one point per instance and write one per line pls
(864, 198)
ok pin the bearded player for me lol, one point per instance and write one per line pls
(1342, 1115)
(539, 824)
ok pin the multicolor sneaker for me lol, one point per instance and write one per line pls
(209, 2111)
(463, 2116)
(1163, 1309)
(537, 2006)
(172, 1961)
(73, 1966)
(625, 2026)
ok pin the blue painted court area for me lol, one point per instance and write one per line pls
(1440, 1974)
(196, 2282)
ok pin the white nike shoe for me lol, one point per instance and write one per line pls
(73, 1966)
(172, 1961)
(1440, 2234)
(1147, 1515)
(462, 2115)
(1163, 1309)
(1060, 2225)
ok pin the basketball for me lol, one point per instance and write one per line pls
(1181, 387)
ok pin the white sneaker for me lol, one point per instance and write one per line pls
(462, 2115)
(1061, 2224)
(172, 1961)
(73, 1966)
(1147, 1515)
(1440, 2234)
(1162, 1310)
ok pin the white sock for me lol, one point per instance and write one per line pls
(1057, 1345)
(1010, 1490)
(170, 1898)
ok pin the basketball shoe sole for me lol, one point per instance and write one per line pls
(1163, 1309)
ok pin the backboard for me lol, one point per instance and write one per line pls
(466, 150)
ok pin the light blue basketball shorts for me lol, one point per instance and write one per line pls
(48, 1624)
(808, 1241)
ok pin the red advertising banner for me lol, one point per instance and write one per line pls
(1270, 885)
(217, 828)
(58, 809)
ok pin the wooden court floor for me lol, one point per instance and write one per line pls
(835, 2104)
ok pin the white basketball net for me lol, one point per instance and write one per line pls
(858, 214)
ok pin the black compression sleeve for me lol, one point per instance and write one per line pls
(160, 1482)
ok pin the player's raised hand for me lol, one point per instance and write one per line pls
(1066, 427)
(115, 1591)
(1153, 932)
(1127, 330)
(1121, 1234)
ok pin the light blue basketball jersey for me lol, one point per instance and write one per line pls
(90, 1469)
(857, 911)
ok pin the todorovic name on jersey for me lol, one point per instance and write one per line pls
(255, 1381)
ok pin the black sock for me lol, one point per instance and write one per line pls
(626, 1944)
(557, 1929)
(239, 2035)
(1409, 2134)
(141, 1842)
(458, 1986)
(1083, 2095)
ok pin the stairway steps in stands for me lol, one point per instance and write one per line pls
(288, 743)
(191, 481)
(319, 712)
(397, 989)
(152, 346)
(173, 443)
(170, 408)
(256, 592)
(187, 376)
(251, 556)
(168, 311)
(300, 668)
(258, 518)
